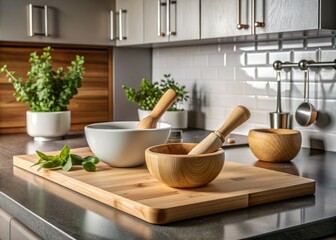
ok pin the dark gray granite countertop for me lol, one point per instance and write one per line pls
(54, 212)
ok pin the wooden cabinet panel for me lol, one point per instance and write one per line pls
(93, 102)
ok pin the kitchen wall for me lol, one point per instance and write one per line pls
(220, 76)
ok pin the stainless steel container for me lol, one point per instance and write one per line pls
(279, 119)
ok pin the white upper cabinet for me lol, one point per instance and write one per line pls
(220, 18)
(225, 18)
(171, 20)
(56, 21)
(285, 15)
(128, 22)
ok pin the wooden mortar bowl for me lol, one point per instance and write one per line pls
(274, 145)
(170, 164)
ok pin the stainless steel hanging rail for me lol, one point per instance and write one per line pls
(303, 64)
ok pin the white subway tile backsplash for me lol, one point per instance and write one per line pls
(268, 45)
(221, 76)
(235, 88)
(235, 59)
(201, 61)
(266, 73)
(283, 56)
(209, 73)
(245, 73)
(256, 58)
(293, 44)
(216, 60)
(216, 86)
(259, 88)
(305, 55)
(224, 48)
(250, 46)
(226, 73)
(319, 42)
(220, 100)
(185, 61)
(328, 55)
(209, 49)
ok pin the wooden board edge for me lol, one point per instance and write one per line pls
(164, 216)
(300, 190)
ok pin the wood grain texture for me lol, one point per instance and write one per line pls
(92, 104)
(274, 145)
(170, 164)
(136, 192)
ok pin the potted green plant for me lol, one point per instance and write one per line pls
(47, 93)
(149, 93)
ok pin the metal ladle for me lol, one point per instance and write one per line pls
(306, 113)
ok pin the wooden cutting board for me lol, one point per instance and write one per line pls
(136, 192)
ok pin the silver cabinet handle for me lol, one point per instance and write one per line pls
(254, 14)
(112, 37)
(169, 32)
(31, 32)
(160, 33)
(121, 36)
(239, 24)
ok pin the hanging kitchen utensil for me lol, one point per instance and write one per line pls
(279, 119)
(160, 108)
(306, 113)
(216, 139)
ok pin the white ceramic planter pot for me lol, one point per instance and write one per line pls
(178, 119)
(48, 126)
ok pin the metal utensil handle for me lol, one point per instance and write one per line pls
(31, 32)
(160, 33)
(306, 86)
(254, 18)
(169, 29)
(112, 37)
(239, 24)
(168, 18)
(278, 77)
(121, 36)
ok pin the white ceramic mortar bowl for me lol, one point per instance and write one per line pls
(120, 144)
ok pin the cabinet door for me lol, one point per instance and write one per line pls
(129, 22)
(18, 231)
(287, 15)
(76, 21)
(4, 224)
(155, 24)
(184, 20)
(219, 18)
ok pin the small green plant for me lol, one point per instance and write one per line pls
(65, 160)
(150, 93)
(46, 90)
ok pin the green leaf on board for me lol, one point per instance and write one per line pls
(65, 160)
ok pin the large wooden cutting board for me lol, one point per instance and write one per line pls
(136, 192)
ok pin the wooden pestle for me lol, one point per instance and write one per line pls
(167, 99)
(216, 139)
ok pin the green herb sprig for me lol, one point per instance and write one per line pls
(65, 160)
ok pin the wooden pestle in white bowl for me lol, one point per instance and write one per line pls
(167, 99)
